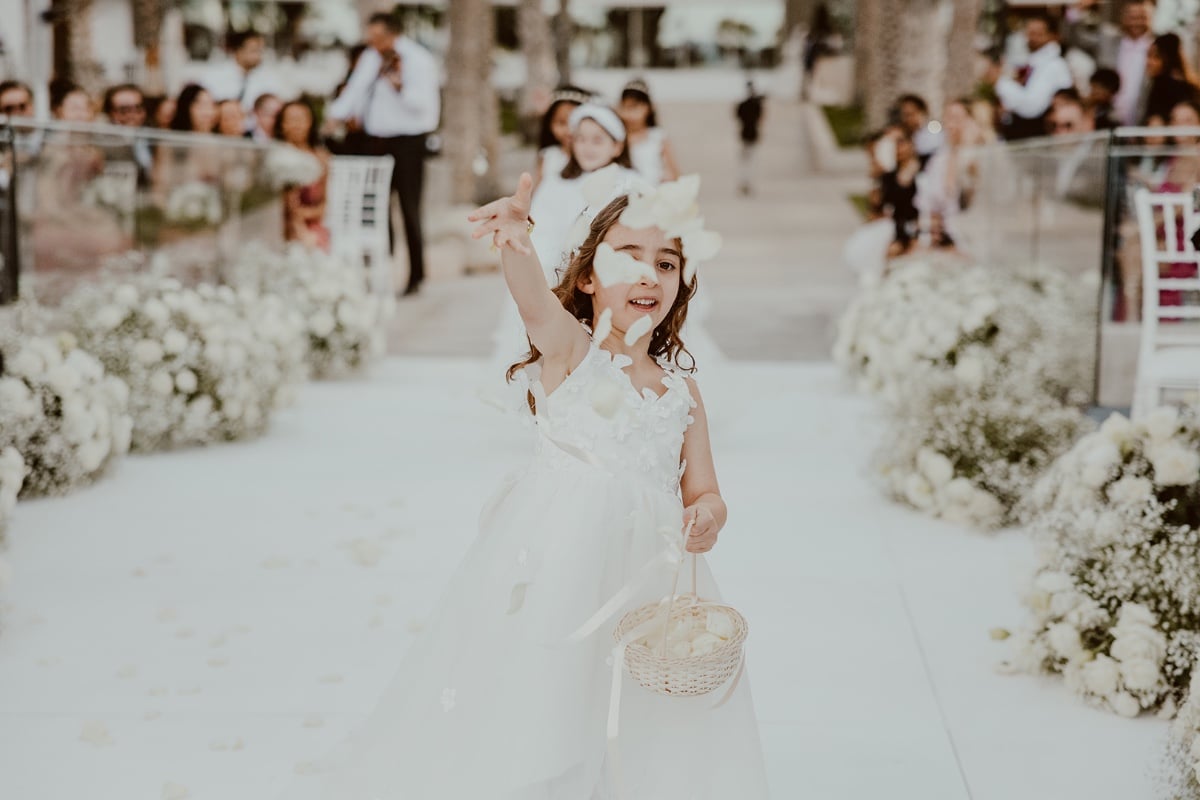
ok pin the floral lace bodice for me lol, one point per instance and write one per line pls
(597, 416)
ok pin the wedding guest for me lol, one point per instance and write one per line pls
(749, 113)
(1069, 116)
(898, 194)
(818, 43)
(649, 148)
(262, 121)
(1026, 96)
(948, 185)
(347, 137)
(1104, 86)
(125, 105)
(241, 78)
(912, 112)
(70, 103)
(394, 93)
(1127, 55)
(231, 120)
(1171, 78)
(160, 110)
(195, 112)
(304, 206)
(1084, 27)
(16, 99)
(554, 137)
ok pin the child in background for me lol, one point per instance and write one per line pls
(649, 147)
(554, 139)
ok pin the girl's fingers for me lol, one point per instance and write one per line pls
(523, 198)
(492, 209)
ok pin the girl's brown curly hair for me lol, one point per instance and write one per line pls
(665, 341)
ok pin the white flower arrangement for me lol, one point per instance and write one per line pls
(287, 166)
(1180, 774)
(950, 316)
(344, 323)
(194, 203)
(969, 450)
(692, 635)
(112, 194)
(203, 364)
(63, 415)
(1116, 599)
(12, 475)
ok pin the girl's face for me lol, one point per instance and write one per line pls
(1154, 64)
(560, 123)
(204, 113)
(592, 147)
(76, 107)
(633, 113)
(295, 124)
(1184, 116)
(905, 150)
(630, 301)
(958, 123)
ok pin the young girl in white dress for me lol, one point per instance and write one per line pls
(554, 135)
(497, 699)
(649, 148)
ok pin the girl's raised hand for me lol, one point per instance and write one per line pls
(507, 219)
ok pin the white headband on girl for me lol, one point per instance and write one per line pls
(603, 116)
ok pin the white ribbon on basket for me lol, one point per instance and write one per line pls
(672, 554)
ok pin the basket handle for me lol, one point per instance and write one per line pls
(687, 531)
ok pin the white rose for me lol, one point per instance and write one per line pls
(92, 454)
(186, 381)
(122, 433)
(85, 364)
(970, 372)
(148, 351)
(1131, 491)
(156, 311)
(1195, 748)
(1064, 641)
(161, 383)
(985, 508)
(107, 318)
(27, 364)
(1162, 423)
(1174, 464)
(1108, 528)
(126, 295)
(1140, 674)
(1136, 614)
(16, 398)
(78, 424)
(1135, 647)
(322, 324)
(1101, 676)
(938, 469)
(1125, 704)
(174, 342)
(64, 380)
(1095, 475)
(918, 491)
(1054, 582)
(1118, 429)
(1064, 603)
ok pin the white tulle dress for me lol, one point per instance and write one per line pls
(492, 703)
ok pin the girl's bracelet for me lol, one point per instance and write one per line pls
(529, 225)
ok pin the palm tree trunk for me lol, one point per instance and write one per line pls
(901, 48)
(960, 74)
(147, 33)
(471, 119)
(564, 28)
(537, 45)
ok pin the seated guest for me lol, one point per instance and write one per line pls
(912, 112)
(231, 121)
(1069, 115)
(70, 103)
(125, 105)
(951, 175)
(304, 206)
(160, 110)
(16, 99)
(262, 121)
(1171, 78)
(1105, 85)
(176, 163)
(898, 194)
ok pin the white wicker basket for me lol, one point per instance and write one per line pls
(692, 675)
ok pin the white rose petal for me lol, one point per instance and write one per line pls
(640, 327)
(614, 268)
(606, 397)
(603, 326)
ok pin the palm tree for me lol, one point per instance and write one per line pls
(148, 18)
(472, 118)
(960, 49)
(537, 44)
(900, 48)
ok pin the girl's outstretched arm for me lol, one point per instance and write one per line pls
(701, 494)
(551, 328)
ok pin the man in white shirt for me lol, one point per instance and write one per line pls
(243, 78)
(1127, 55)
(1027, 96)
(394, 96)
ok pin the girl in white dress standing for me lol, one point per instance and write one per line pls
(554, 135)
(506, 694)
(649, 147)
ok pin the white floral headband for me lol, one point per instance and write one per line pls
(603, 116)
(670, 206)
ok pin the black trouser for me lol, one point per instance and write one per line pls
(408, 180)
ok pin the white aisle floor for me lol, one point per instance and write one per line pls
(201, 624)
